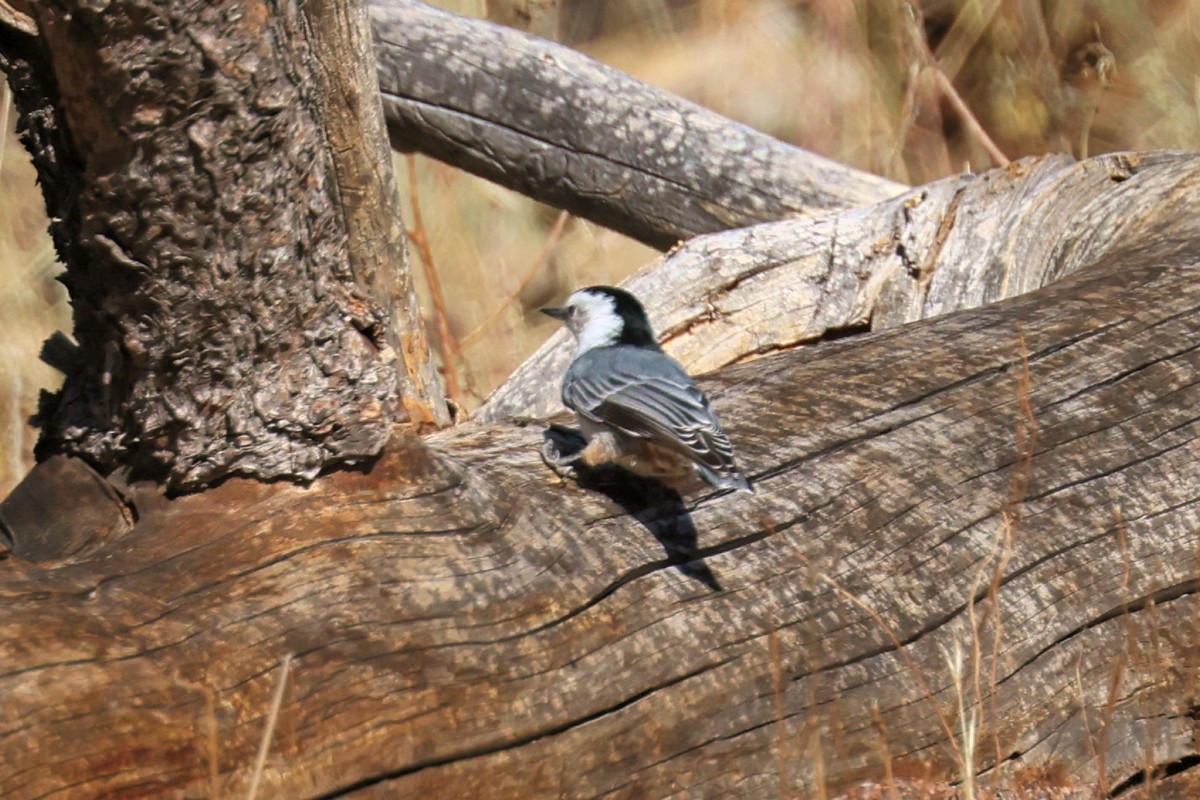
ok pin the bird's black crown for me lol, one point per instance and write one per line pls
(635, 325)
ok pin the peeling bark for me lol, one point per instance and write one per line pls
(958, 243)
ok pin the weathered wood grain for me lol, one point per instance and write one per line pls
(957, 243)
(337, 34)
(1020, 481)
(564, 129)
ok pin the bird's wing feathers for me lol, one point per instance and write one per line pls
(646, 394)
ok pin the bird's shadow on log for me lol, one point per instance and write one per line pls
(651, 502)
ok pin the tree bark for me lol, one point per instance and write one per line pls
(954, 244)
(1014, 488)
(223, 326)
(568, 131)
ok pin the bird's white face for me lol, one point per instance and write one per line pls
(593, 319)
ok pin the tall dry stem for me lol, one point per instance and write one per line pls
(967, 720)
(264, 744)
(451, 353)
(777, 690)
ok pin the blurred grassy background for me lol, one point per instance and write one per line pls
(861, 81)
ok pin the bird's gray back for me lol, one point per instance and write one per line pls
(647, 394)
(598, 373)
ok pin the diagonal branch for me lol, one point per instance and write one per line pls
(561, 128)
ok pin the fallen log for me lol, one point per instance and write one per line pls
(972, 550)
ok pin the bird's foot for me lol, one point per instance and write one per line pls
(560, 464)
(561, 449)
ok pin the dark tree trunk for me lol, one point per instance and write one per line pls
(227, 322)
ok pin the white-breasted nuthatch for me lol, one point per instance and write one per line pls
(637, 406)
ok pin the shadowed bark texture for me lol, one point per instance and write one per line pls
(954, 244)
(221, 325)
(1014, 489)
(551, 123)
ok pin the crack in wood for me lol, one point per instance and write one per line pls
(1108, 472)
(1159, 771)
(519, 741)
(691, 190)
(1156, 598)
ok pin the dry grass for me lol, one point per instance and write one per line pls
(992, 79)
(500, 257)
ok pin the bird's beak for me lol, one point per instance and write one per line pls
(557, 313)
